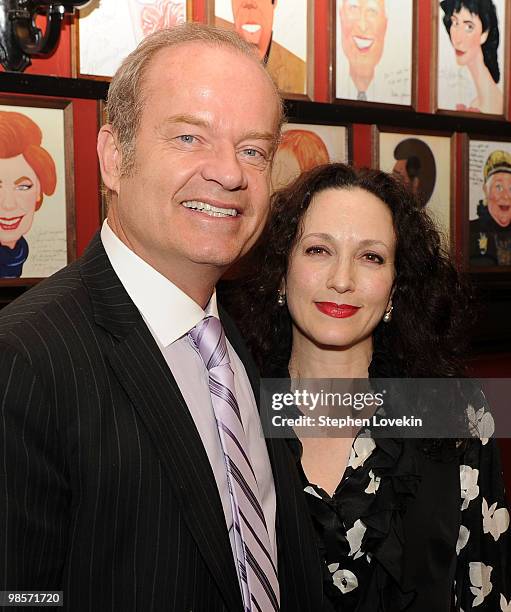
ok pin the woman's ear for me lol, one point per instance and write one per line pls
(484, 37)
(389, 303)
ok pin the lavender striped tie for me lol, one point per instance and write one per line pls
(260, 587)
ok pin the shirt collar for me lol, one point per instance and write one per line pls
(168, 311)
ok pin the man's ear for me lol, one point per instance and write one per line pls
(109, 158)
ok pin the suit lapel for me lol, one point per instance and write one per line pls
(143, 372)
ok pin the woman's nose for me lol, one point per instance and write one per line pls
(7, 199)
(341, 277)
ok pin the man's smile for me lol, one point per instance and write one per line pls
(363, 44)
(251, 28)
(210, 209)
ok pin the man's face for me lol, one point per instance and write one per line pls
(197, 198)
(363, 27)
(253, 20)
(399, 170)
(498, 195)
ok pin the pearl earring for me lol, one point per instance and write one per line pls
(281, 300)
(388, 315)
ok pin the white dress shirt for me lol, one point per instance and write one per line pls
(170, 314)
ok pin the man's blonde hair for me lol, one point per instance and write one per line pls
(126, 97)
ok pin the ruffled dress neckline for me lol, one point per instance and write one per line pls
(359, 529)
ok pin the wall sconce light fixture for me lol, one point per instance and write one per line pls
(20, 38)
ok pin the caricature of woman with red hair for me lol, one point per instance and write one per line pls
(298, 151)
(27, 171)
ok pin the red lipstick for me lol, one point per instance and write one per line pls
(338, 311)
(12, 223)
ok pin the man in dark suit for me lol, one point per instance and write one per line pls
(113, 478)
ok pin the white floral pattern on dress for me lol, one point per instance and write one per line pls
(482, 424)
(505, 606)
(480, 578)
(354, 537)
(374, 483)
(495, 522)
(362, 447)
(462, 539)
(469, 487)
(344, 580)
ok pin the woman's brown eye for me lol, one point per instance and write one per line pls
(315, 250)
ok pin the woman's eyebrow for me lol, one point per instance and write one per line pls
(321, 235)
(22, 179)
(372, 242)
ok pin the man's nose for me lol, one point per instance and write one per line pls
(341, 277)
(224, 167)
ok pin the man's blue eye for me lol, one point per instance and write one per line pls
(187, 138)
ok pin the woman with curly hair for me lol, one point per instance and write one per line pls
(473, 28)
(353, 283)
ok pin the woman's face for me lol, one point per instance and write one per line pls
(19, 191)
(341, 271)
(285, 168)
(467, 36)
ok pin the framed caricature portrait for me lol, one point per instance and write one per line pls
(425, 163)
(488, 214)
(471, 57)
(37, 229)
(373, 51)
(108, 30)
(305, 146)
(281, 30)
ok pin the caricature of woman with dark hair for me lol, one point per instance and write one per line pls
(473, 28)
(27, 171)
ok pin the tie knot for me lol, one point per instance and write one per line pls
(209, 338)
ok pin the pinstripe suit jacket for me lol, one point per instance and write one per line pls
(106, 491)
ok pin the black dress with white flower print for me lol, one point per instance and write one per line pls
(365, 545)
(483, 569)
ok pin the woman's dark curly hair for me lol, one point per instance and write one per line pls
(487, 13)
(425, 335)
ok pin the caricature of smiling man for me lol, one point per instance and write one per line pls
(363, 28)
(253, 20)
